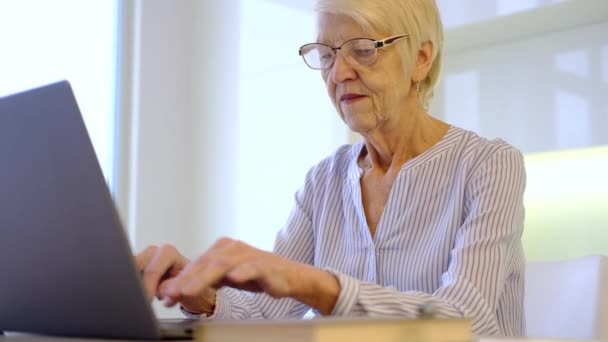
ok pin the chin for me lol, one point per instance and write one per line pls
(360, 126)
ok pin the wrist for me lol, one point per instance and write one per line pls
(191, 314)
(316, 288)
(205, 305)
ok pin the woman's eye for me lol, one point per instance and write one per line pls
(326, 57)
(364, 52)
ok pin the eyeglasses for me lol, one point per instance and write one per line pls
(363, 51)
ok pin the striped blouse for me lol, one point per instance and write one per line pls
(449, 236)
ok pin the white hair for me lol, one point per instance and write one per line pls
(418, 18)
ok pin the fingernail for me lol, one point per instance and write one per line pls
(168, 302)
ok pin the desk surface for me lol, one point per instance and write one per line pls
(35, 338)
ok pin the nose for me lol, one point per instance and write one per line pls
(342, 71)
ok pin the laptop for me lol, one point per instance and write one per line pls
(67, 268)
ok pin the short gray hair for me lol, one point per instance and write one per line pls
(418, 18)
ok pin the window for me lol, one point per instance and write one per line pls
(286, 122)
(551, 84)
(47, 41)
(537, 79)
(461, 12)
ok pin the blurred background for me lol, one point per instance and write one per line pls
(205, 119)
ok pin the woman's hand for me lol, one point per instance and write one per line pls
(235, 264)
(158, 266)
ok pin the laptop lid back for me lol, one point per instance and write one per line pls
(67, 268)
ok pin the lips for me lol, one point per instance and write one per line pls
(348, 98)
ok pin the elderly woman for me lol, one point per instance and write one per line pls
(420, 212)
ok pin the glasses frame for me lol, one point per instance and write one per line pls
(378, 44)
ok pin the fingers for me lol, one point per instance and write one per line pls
(209, 273)
(142, 259)
(201, 303)
(162, 290)
(247, 276)
(227, 263)
(157, 265)
(209, 269)
(194, 286)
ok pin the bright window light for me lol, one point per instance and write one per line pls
(47, 41)
(566, 204)
(286, 120)
(463, 12)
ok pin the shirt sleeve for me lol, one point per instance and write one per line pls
(296, 242)
(486, 249)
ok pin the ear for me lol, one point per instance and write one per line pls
(424, 62)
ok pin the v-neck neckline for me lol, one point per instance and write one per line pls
(355, 173)
(419, 159)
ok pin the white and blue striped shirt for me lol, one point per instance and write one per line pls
(450, 235)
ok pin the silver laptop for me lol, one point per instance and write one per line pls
(66, 265)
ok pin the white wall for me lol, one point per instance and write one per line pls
(534, 78)
(287, 122)
(186, 143)
(207, 107)
(178, 122)
(180, 130)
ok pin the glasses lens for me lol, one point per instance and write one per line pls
(318, 56)
(363, 51)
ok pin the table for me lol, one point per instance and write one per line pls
(37, 338)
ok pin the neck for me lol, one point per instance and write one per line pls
(392, 146)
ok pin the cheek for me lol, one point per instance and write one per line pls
(378, 85)
(387, 88)
(326, 80)
(331, 89)
(331, 92)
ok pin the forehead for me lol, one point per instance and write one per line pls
(337, 28)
